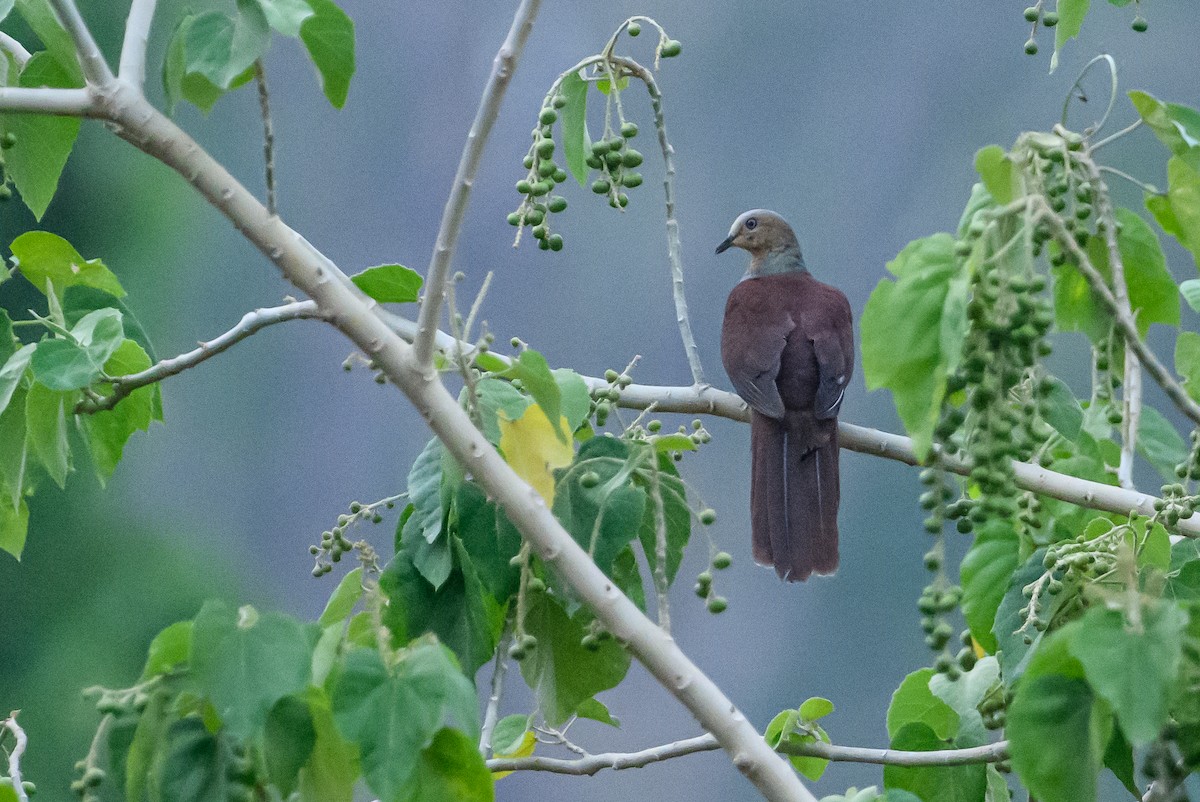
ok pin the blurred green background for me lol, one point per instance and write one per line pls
(858, 122)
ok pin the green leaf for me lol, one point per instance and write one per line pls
(329, 36)
(1177, 127)
(286, 16)
(531, 370)
(574, 125)
(44, 256)
(1118, 758)
(603, 518)
(789, 728)
(14, 526)
(44, 22)
(573, 393)
(457, 611)
(928, 783)
(43, 142)
(220, 48)
(63, 365)
(1159, 442)
(8, 341)
(425, 490)
(344, 597)
(560, 670)
(986, 571)
(145, 750)
(489, 538)
(108, 431)
(964, 695)
(46, 414)
(815, 708)
(509, 734)
(198, 766)
(1070, 20)
(100, 332)
(1132, 665)
(451, 768)
(1187, 360)
(1190, 290)
(333, 767)
(595, 710)
(1064, 413)
(1010, 639)
(395, 714)
(998, 173)
(178, 82)
(288, 741)
(676, 514)
(13, 451)
(246, 662)
(78, 301)
(13, 371)
(1179, 212)
(913, 702)
(1053, 728)
(912, 331)
(997, 786)
(498, 397)
(170, 648)
(390, 284)
(605, 85)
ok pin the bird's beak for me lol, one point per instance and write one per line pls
(724, 246)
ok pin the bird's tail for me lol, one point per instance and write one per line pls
(794, 498)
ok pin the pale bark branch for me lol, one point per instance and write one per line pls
(46, 100)
(464, 179)
(264, 108)
(14, 756)
(95, 68)
(591, 764)
(250, 323)
(491, 715)
(132, 69)
(15, 48)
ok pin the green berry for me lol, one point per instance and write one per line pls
(1031, 48)
(557, 204)
(704, 578)
(589, 479)
(9, 139)
(516, 652)
(622, 200)
(539, 232)
(631, 158)
(556, 242)
(629, 130)
(560, 175)
(631, 180)
(671, 48)
(717, 604)
(546, 169)
(534, 217)
(524, 187)
(548, 116)
(708, 516)
(1032, 13)
(535, 585)
(543, 244)
(1139, 24)
(545, 149)
(601, 186)
(1050, 19)
(559, 101)
(722, 560)
(634, 29)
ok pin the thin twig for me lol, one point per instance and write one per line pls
(456, 205)
(674, 247)
(1112, 97)
(661, 583)
(491, 715)
(15, 49)
(1114, 137)
(95, 68)
(250, 323)
(591, 764)
(47, 100)
(1149, 189)
(14, 757)
(1124, 321)
(132, 69)
(264, 107)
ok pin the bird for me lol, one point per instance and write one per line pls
(787, 344)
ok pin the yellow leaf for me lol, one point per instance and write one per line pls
(531, 446)
(525, 749)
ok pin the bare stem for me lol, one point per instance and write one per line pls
(14, 757)
(95, 68)
(456, 205)
(264, 107)
(591, 764)
(492, 714)
(46, 100)
(15, 49)
(132, 69)
(661, 583)
(250, 323)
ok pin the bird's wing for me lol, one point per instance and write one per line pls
(754, 367)
(834, 349)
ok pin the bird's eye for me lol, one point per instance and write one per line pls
(751, 224)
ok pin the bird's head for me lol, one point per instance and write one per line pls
(768, 239)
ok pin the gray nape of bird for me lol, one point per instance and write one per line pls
(787, 343)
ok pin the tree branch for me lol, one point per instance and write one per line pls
(132, 69)
(15, 48)
(674, 247)
(309, 270)
(14, 757)
(591, 764)
(264, 107)
(250, 323)
(1123, 319)
(456, 205)
(491, 715)
(47, 100)
(95, 68)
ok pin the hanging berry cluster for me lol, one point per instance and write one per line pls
(7, 141)
(1037, 16)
